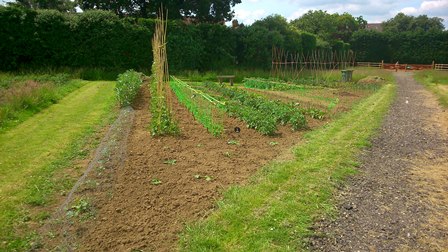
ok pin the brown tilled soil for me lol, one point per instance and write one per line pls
(399, 200)
(346, 98)
(134, 213)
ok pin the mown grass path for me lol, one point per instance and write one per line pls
(27, 150)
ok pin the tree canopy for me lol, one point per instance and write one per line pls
(197, 10)
(404, 23)
(330, 27)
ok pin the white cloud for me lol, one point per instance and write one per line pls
(430, 8)
(432, 5)
(372, 10)
(248, 17)
(409, 10)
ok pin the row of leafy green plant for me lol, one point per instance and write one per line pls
(203, 107)
(127, 87)
(260, 83)
(24, 96)
(258, 112)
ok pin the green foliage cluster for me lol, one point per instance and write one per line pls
(258, 112)
(162, 121)
(404, 23)
(127, 87)
(195, 10)
(49, 38)
(100, 39)
(202, 106)
(23, 96)
(260, 83)
(335, 29)
(407, 39)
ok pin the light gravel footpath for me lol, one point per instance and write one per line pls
(382, 209)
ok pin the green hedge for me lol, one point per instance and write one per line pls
(406, 47)
(50, 39)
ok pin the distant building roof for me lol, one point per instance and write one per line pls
(375, 27)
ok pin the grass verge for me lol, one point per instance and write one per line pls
(275, 211)
(22, 96)
(33, 151)
(436, 82)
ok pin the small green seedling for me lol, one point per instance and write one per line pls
(81, 207)
(155, 181)
(170, 161)
(208, 178)
(197, 176)
(227, 154)
(273, 143)
(233, 142)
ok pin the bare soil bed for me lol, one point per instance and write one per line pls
(136, 214)
(345, 98)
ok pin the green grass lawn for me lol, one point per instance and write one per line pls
(33, 150)
(276, 210)
(436, 82)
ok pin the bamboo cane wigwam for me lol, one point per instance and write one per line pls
(291, 66)
(162, 122)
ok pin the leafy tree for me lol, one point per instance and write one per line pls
(292, 37)
(332, 28)
(213, 11)
(346, 24)
(317, 22)
(404, 23)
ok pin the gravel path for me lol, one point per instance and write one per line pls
(383, 208)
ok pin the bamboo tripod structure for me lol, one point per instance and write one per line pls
(320, 63)
(161, 91)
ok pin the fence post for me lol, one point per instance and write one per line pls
(433, 65)
(382, 64)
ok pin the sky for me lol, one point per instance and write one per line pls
(374, 11)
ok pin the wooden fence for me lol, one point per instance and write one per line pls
(370, 64)
(403, 66)
(441, 67)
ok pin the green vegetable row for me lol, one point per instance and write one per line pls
(258, 112)
(203, 108)
(261, 83)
